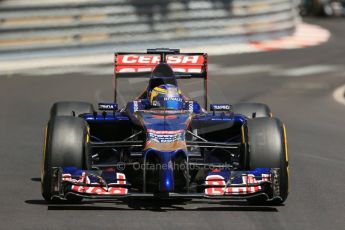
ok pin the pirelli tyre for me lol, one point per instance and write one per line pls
(66, 144)
(70, 108)
(252, 110)
(267, 148)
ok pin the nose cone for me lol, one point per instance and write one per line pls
(166, 170)
(166, 180)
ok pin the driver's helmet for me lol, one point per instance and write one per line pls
(166, 97)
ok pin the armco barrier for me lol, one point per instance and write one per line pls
(61, 24)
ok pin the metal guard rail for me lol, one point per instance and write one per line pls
(121, 22)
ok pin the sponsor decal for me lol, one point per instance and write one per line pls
(135, 106)
(156, 104)
(107, 106)
(137, 69)
(173, 99)
(218, 181)
(191, 106)
(222, 188)
(133, 63)
(220, 107)
(165, 136)
(94, 190)
(165, 131)
(155, 59)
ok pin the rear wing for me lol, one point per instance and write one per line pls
(141, 65)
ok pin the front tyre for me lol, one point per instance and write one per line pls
(66, 144)
(70, 108)
(267, 148)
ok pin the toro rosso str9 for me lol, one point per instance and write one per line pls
(162, 143)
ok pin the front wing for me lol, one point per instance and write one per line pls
(219, 184)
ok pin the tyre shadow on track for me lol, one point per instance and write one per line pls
(155, 206)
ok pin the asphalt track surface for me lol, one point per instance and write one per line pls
(315, 125)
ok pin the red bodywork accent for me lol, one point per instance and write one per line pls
(97, 190)
(169, 117)
(221, 188)
(133, 63)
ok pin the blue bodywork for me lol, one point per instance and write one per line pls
(202, 117)
(159, 124)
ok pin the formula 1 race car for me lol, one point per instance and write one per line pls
(323, 7)
(163, 144)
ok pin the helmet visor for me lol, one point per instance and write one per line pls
(173, 104)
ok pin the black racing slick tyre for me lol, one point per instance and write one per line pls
(252, 110)
(66, 144)
(267, 148)
(70, 108)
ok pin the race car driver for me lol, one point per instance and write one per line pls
(163, 97)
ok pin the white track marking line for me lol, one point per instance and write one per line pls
(8, 67)
(213, 67)
(339, 94)
(92, 70)
(224, 49)
(307, 86)
(307, 70)
(339, 162)
(242, 70)
(306, 35)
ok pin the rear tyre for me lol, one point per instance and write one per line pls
(66, 144)
(250, 109)
(267, 148)
(70, 108)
